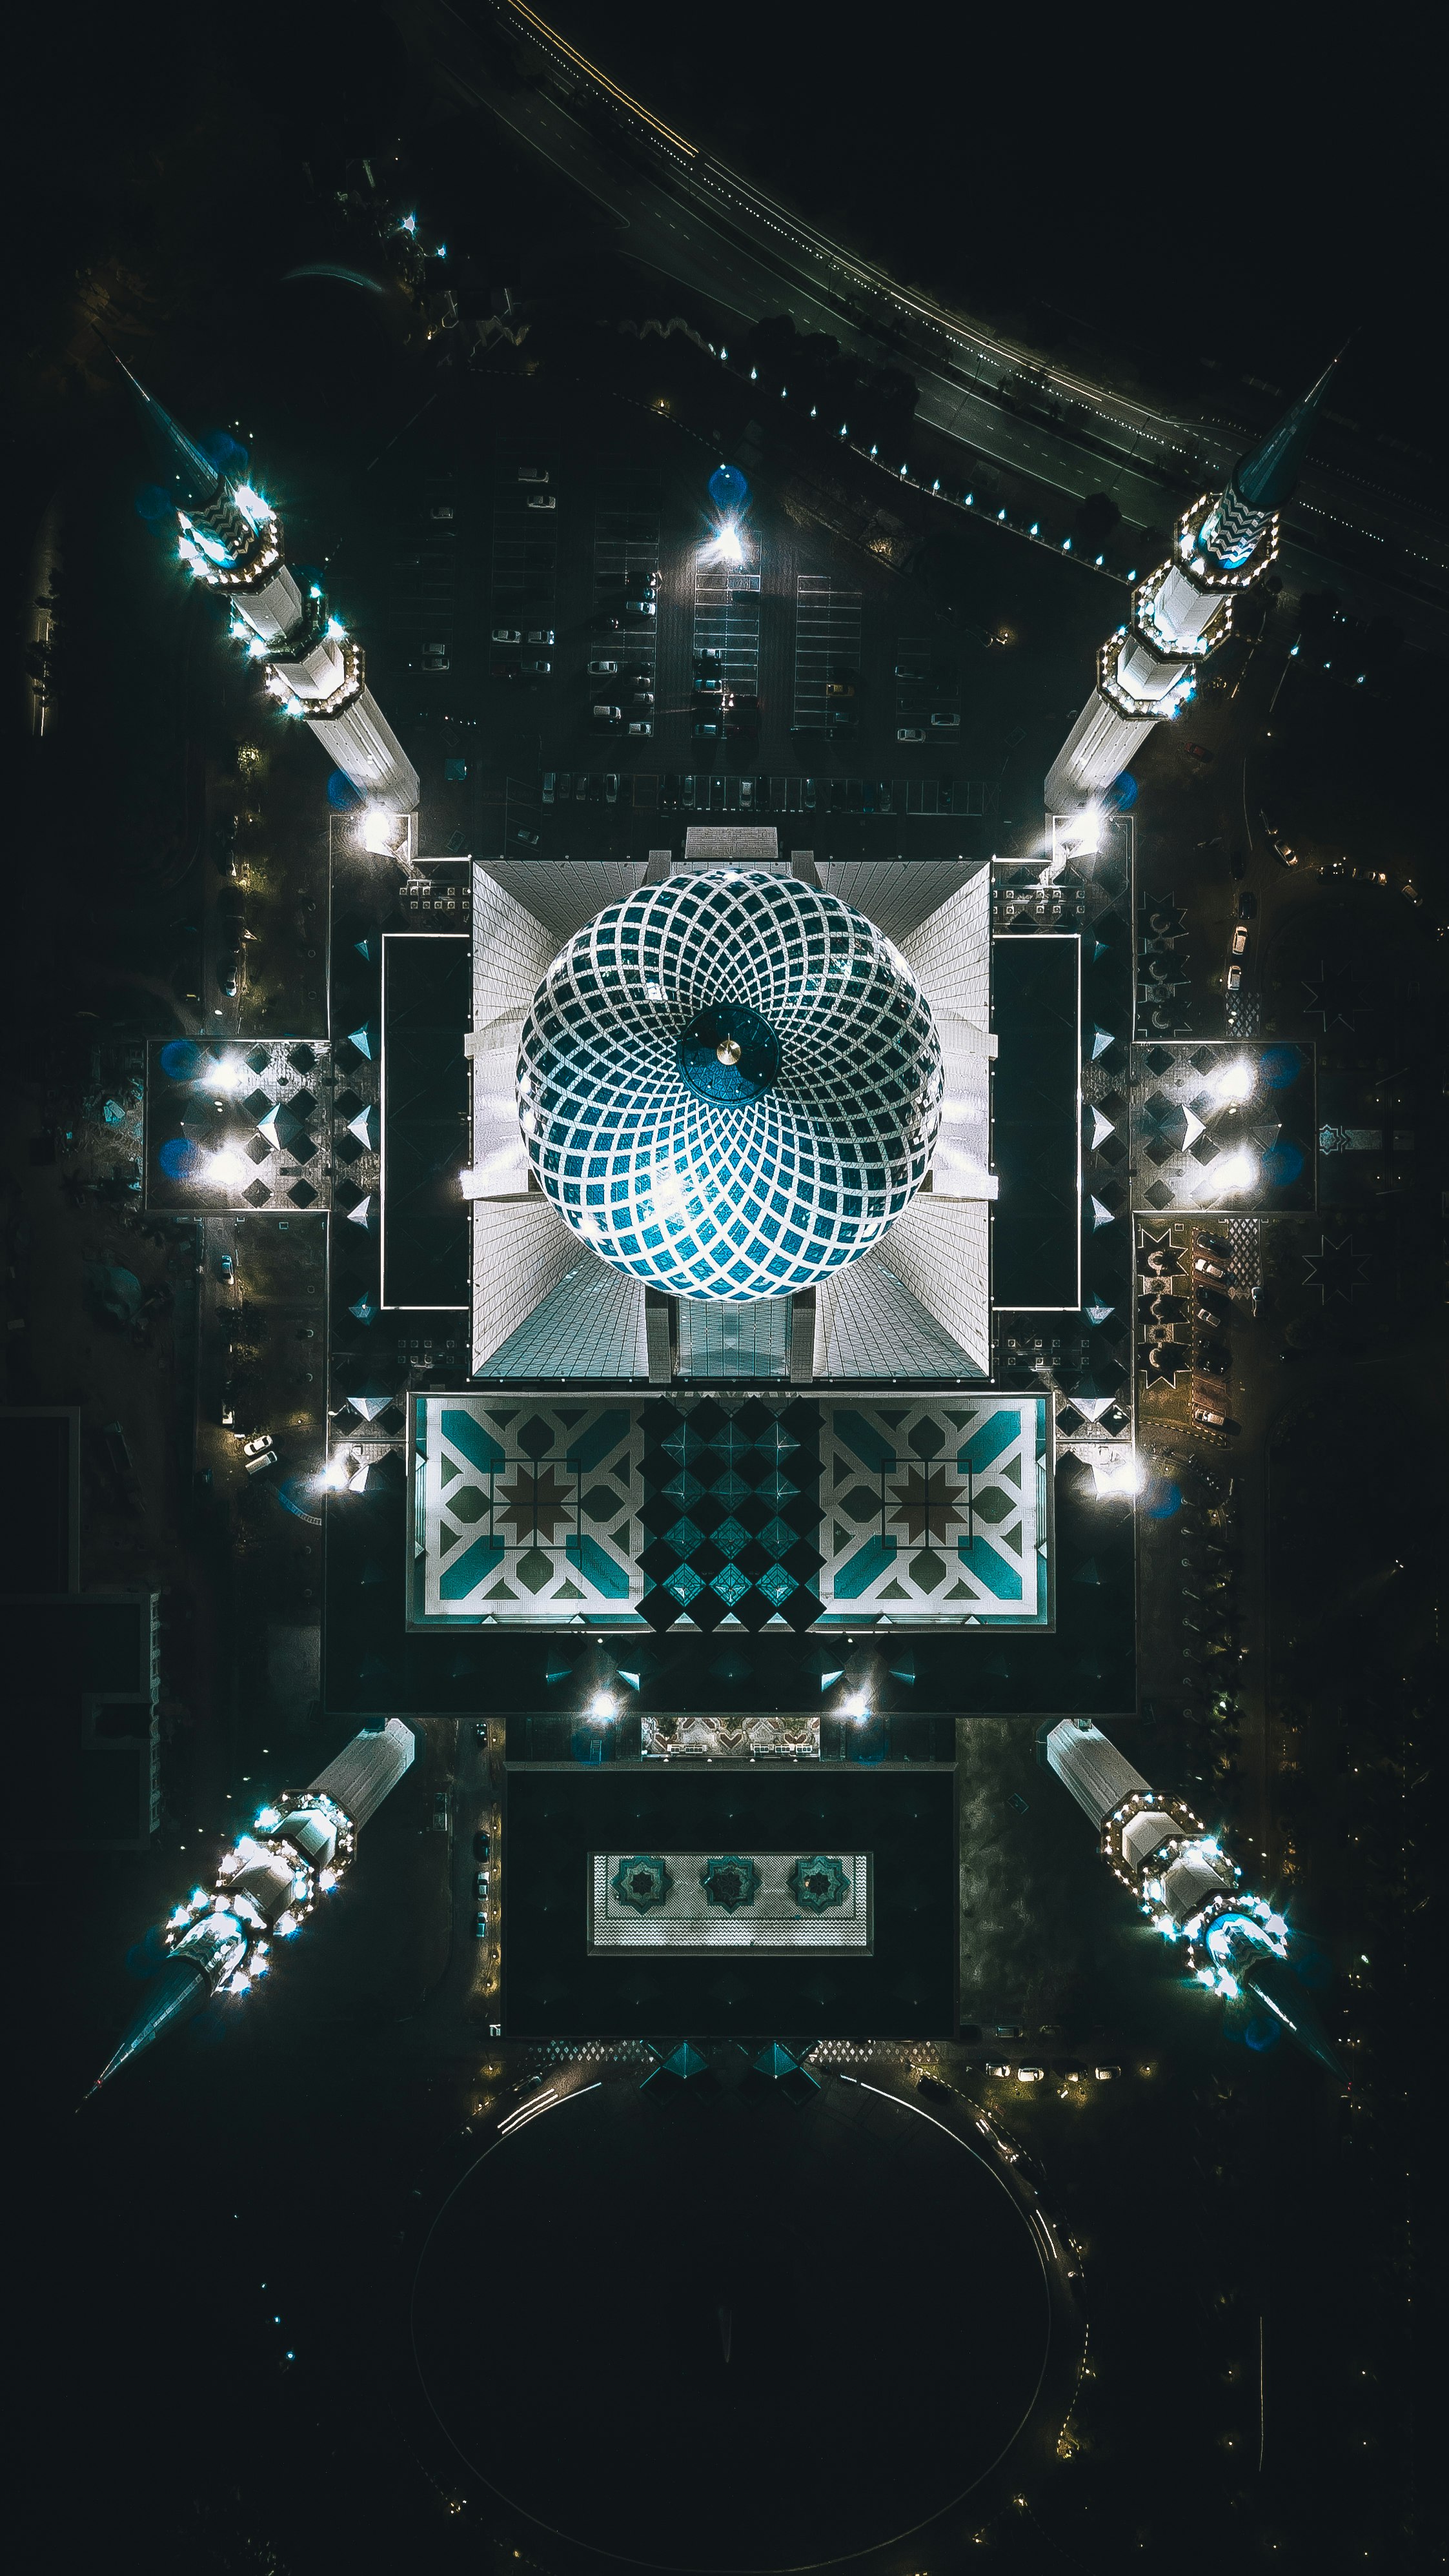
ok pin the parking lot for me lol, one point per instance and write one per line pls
(572, 647)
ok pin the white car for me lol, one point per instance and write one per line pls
(541, 501)
(909, 733)
(540, 635)
(603, 670)
(608, 715)
(641, 727)
(507, 635)
(1030, 2074)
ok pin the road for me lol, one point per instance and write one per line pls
(702, 227)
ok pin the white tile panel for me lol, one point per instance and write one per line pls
(521, 1249)
(951, 952)
(896, 894)
(941, 1250)
(563, 894)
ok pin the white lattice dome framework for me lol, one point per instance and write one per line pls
(730, 1084)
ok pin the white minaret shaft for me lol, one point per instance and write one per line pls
(232, 540)
(1147, 671)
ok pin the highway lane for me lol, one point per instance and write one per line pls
(692, 230)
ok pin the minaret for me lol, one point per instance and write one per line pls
(1184, 1882)
(1182, 612)
(232, 540)
(266, 1885)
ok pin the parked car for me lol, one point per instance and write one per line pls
(257, 1445)
(541, 501)
(540, 635)
(611, 787)
(507, 635)
(480, 1886)
(259, 1465)
(706, 732)
(1030, 2074)
(910, 733)
(747, 795)
(639, 607)
(480, 1927)
(482, 1847)
(480, 1730)
(641, 727)
(1234, 979)
(225, 1266)
(537, 670)
(1208, 1266)
(603, 670)
(642, 698)
(1240, 941)
(908, 671)
(994, 2066)
(550, 785)
(1247, 904)
(1207, 1419)
(608, 715)
(945, 724)
(533, 474)
(441, 510)
(436, 657)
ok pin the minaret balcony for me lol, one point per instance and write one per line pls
(1201, 569)
(335, 701)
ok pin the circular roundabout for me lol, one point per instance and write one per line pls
(730, 1084)
(725, 2332)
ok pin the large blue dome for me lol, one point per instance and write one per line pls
(730, 1084)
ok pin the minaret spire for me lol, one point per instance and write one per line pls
(1184, 610)
(190, 468)
(232, 539)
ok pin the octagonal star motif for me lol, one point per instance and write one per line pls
(641, 1880)
(817, 1882)
(729, 1880)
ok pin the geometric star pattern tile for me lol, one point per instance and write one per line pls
(747, 1512)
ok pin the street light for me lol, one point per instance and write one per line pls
(1239, 1172)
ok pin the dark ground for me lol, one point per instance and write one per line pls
(210, 2268)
